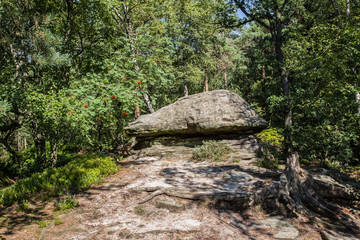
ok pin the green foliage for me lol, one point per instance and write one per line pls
(74, 73)
(76, 175)
(44, 223)
(272, 141)
(326, 119)
(22, 206)
(211, 150)
(272, 136)
(69, 202)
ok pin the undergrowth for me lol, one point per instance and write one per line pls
(272, 141)
(68, 203)
(211, 150)
(76, 175)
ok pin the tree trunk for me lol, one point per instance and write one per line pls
(263, 66)
(54, 151)
(137, 111)
(348, 7)
(358, 101)
(18, 141)
(225, 78)
(186, 91)
(206, 81)
(277, 36)
(148, 103)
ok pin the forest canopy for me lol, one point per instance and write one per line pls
(73, 73)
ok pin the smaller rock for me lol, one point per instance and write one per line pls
(171, 205)
(237, 176)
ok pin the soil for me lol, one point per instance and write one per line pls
(113, 210)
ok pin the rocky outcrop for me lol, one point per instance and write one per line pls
(208, 113)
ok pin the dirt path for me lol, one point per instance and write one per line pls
(112, 210)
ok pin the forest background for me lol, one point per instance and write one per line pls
(73, 73)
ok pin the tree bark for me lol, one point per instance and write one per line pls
(225, 78)
(263, 74)
(357, 97)
(186, 91)
(277, 38)
(54, 152)
(348, 7)
(137, 111)
(148, 102)
(206, 80)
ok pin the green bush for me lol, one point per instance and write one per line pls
(272, 146)
(211, 151)
(76, 175)
(68, 203)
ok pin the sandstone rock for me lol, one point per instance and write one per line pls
(328, 187)
(237, 176)
(284, 230)
(208, 113)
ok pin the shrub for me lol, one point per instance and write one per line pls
(211, 151)
(272, 146)
(68, 203)
(76, 175)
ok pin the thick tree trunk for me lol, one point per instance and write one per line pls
(277, 37)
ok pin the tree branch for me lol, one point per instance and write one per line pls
(251, 17)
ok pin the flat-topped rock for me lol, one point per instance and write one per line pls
(208, 113)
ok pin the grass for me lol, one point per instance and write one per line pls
(68, 203)
(44, 223)
(211, 150)
(79, 174)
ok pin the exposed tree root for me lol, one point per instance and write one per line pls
(295, 187)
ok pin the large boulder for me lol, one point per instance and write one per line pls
(208, 113)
